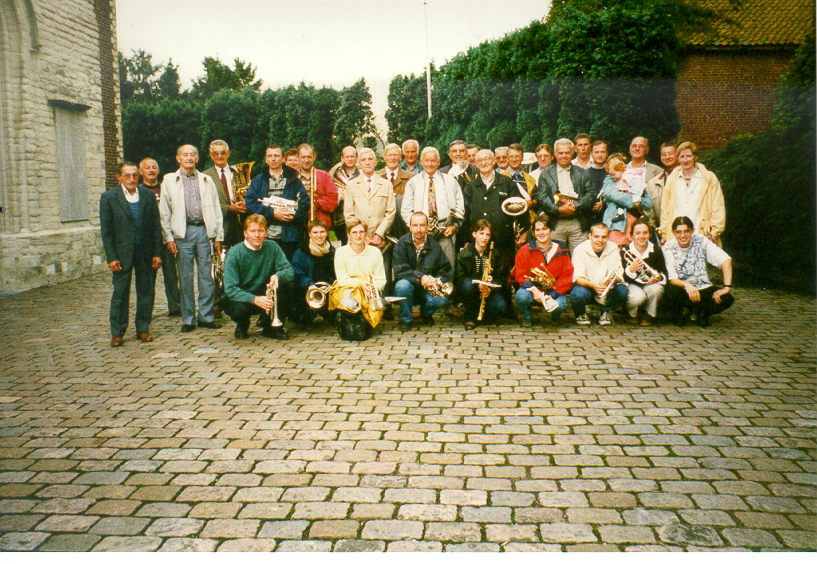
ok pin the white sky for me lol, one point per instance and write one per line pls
(322, 42)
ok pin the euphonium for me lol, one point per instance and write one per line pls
(242, 173)
(608, 283)
(316, 294)
(486, 277)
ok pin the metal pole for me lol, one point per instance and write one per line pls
(428, 60)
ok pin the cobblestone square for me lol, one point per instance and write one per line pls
(547, 438)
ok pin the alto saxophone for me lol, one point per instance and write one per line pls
(486, 277)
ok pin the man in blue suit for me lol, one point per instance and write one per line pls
(132, 238)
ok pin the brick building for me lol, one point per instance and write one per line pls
(727, 78)
(59, 137)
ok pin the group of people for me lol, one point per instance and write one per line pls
(482, 232)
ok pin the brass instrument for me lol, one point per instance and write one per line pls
(280, 203)
(486, 277)
(376, 302)
(440, 289)
(562, 199)
(544, 280)
(513, 207)
(242, 175)
(644, 274)
(436, 229)
(316, 294)
(609, 282)
(272, 294)
(390, 242)
(217, 269)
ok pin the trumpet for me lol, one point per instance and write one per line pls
(562, 199)
(316, 294)
(241, 179)
(608, 284)
(440, 289)
(280, 203)
(376, 302)
(272, 294)
(644, 274)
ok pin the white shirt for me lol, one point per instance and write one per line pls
(391, 175)
(565, 183)
(576, 162)
(131, 199)
(688, 197)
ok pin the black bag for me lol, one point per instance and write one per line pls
(353, 326)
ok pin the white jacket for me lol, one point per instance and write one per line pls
(173, 213)
(594, 268)
(447, 190)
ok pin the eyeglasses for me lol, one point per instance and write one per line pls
(484, 160)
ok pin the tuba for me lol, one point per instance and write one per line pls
(242, 174)
(513, 207)
(316, 294)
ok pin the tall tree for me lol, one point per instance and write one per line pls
(218, 76)
(169, 85)
(137, 76)
(354, 118)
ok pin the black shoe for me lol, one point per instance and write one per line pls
(241, 332)
(174, 314)
(277, 333)
(405, 326)
(527, 322)
(187, 328)
(208, 324)
(703, 321)
(469, 326)
(429, 321)
(388, 314)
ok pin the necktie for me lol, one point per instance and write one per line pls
(392, 178)
(224, 185)
(432, 198)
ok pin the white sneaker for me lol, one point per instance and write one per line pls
(606, 318)
(583, 320)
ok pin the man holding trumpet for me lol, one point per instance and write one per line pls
(254, 275)
(281, 199)
(597, 274)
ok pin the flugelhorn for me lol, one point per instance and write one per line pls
(316, 294)
(608, 284)
(644, 274)
(376, 302)
(441, 289)
(242, 175)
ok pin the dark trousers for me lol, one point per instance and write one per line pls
(242, 313)
(289, 248)
(676, 299)
(495, 305)
(120, 300)
(170, 275)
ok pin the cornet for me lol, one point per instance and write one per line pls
(280, 203)
(440, 289)
(272, 294)
(376, 303)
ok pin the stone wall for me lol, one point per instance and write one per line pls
(727, 93)
(52, 58)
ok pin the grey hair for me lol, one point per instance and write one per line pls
(411, 141)
(179, 150)
(391, 146)
(498, 149)
(220, 142)
(365, 150)
(563, 141)
(428, 149)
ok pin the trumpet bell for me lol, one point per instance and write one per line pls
(316, 295)
(515, 206)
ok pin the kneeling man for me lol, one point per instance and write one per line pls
(250, 270)
(689, 290)
(481, 291)
(597, 273)
(421, 271)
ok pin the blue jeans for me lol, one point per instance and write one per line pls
(429, 303)
(580, 296)
(495, 304)
(195, 247)
(525, 301)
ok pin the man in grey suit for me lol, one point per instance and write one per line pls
(565, 193)
(232, 210)
(132, 238)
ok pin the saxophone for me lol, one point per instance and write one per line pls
(486, 277)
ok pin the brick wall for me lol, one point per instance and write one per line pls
(724, 94)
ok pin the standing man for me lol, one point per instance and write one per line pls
(638, 165)
(420, 268)
(149, 170)
(132, 238)
(370, 199)
(411, 151)
(501, 157)
(597, 172)
(472, 153)
(398, 178)
(193, 226)
(582, 149)
(576, 196)
(284, 221)
(544, 158)
(250, 268)
(460, 168)
(597, 274)
(324, 194)
(524, 181)
(342, 173)
(484, 197)
(222, 176)
(655, 187)
(438, 196)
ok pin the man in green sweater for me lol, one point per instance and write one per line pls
(250, 269)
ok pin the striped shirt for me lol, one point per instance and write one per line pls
(192, 198)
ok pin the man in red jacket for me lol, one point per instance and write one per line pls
(546, 255)
(324, 194)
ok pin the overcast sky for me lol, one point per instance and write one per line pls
(322, 42)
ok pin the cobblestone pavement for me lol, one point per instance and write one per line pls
(543, 439)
